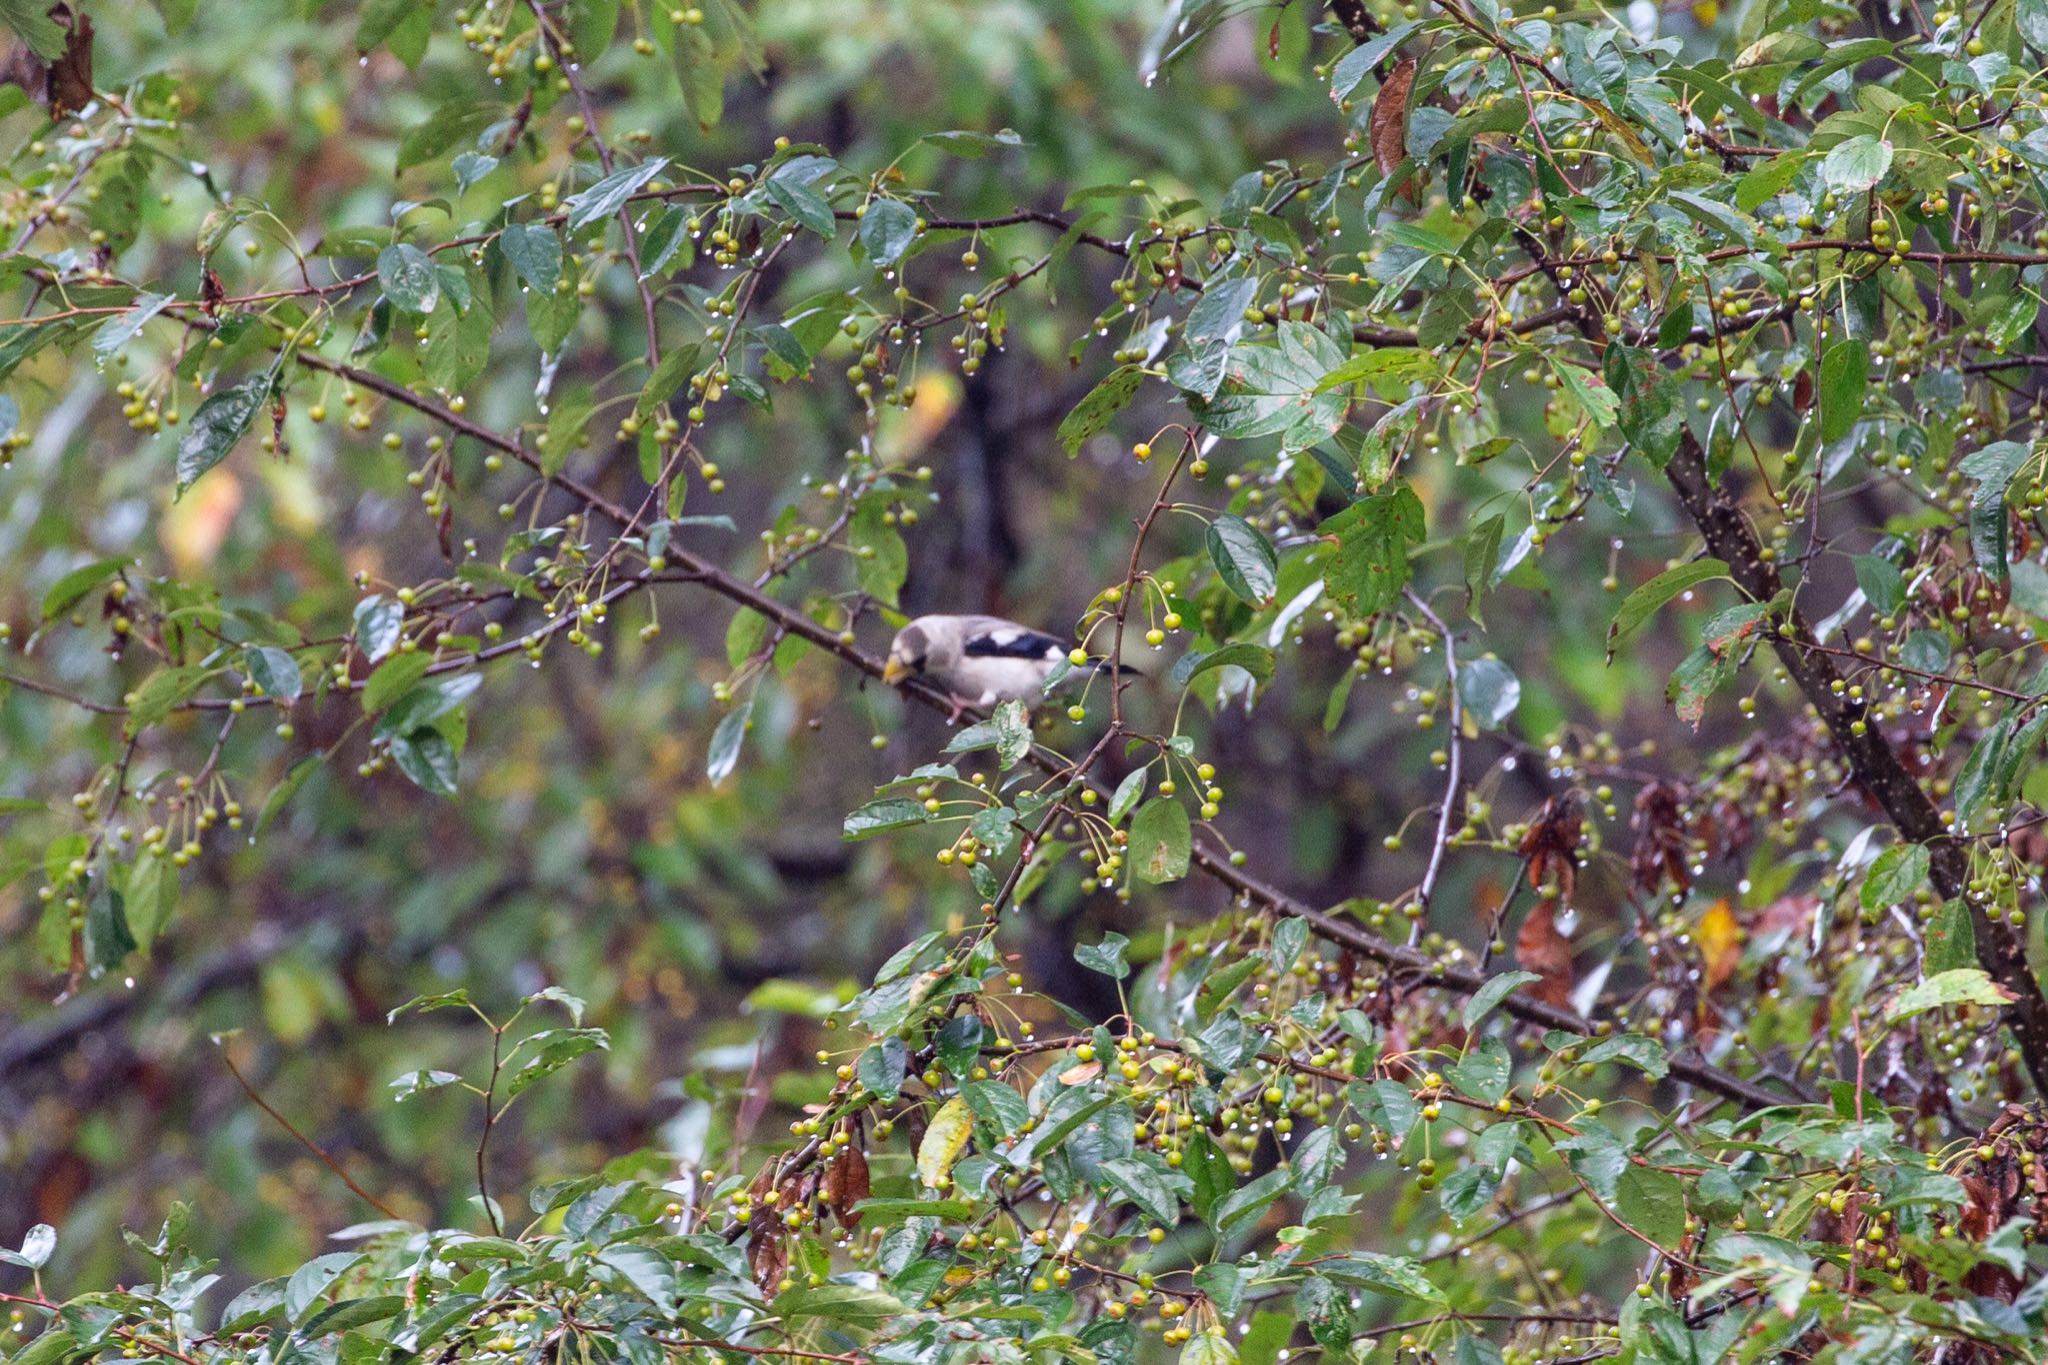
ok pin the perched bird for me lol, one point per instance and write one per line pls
(978, 660)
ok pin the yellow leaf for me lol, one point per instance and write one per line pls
(1720, 938)
(943, 1143)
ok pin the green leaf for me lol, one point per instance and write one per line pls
(610, 194)
(1272, 389)
(1884, 587)
(408, 278)
(845, 1303)
(880, 817)
(668, 378)
(108, 938)
(404, 26)
(1400, 1275)
(651, 1274)
(567, 420)
(804, 204)
(1011, 722)
(1993, 467)
(1962, 986)
(454, 122)
(117, 332)
(534, 253)
(1644, 1053)
(161, 693)
(1128, 793)
(1243, 558)
(1211, 1347)
(1589, 392)
(1366, 566)
(427, 759)
(218, 423)
(887, 229)
(1106, 957)
(1844, 387)
(552, 1049)
(1767, 178)
(882, 560)
(275, 673)
(1640, 605)
(882, 1068)
(1490, 691)
(379, 621)
(1103, 402)
(313, 1279)
(425, 706)
(1496, 989)
(1648, 402)
(2030, 18)
(724, 753)
(1250, 1199)
(1219, 314)
(286, 788)
(74, 587)
(31, 21)
(1857, 164)
(667, 243)
(1256, 660)
(1161, 842)
(1950, 941)
(1653, 1203)
(1897, 873)
(1150, 1186)
(973, 145)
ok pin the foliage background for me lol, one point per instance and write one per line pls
(712, 924)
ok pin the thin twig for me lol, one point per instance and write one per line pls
(315, 1148)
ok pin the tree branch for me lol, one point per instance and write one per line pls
(1871, 758)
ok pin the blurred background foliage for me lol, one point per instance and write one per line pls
(705, 922)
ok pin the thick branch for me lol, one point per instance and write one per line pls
(1871, 758)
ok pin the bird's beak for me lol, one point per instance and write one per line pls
(894, 672)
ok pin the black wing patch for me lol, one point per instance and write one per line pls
(1011, 642)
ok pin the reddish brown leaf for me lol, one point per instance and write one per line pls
(846, 1184)
(1541, 949)
(1802, 391)
(1389, 123)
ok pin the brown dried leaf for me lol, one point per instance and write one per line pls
(1541, 949)
(1659, 821)
(1389, 123)
(768, 1257)
(846, 1184)
(70, 82)
(1551, 843)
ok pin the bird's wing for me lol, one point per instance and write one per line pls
(993, 637)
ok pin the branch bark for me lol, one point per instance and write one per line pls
(1875, 764)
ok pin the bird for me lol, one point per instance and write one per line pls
(978, 660)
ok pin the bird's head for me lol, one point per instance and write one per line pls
(907, 654)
